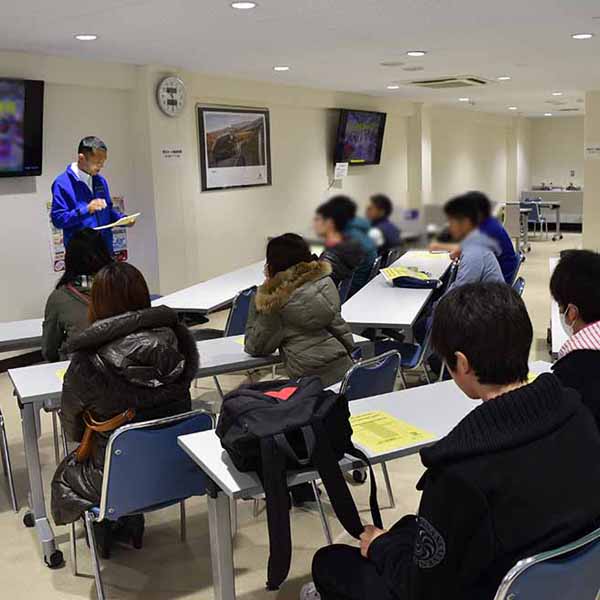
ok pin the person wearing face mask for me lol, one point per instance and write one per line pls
(575, 285)
(80, 195)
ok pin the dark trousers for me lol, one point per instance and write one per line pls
(341, 573)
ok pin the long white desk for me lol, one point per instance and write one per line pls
(435, 408)
(380, 305)
(557, 333)
(216, 293)
(20, 335)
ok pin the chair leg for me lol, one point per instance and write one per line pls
(182, 522)
(5, 452)
(73, 544)
(55, 435)
(233, 509)
(256, 508)
(402, 379)
(426, 373)
(442, 372)
(324, 521)
(89, 526)
(219, 389)
(388, 485)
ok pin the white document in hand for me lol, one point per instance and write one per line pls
(126, 220)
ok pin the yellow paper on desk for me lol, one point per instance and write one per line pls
(532, 377)
(379, 432)
(428, 254)
(240, 339)
(61, 374)
(392, 273)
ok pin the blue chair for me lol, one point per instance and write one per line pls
(393, 255)
(373, 377)
(6, 464)
(536, 217)
(238, 315)
(375, 268)
(569, 572)
(344, 288)
(145, 470)
(519, 286)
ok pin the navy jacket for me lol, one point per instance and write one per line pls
(70, 198)
(508, 259)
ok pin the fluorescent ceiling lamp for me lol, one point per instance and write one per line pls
(557, 93)
(513, 108)
(582, 36)
(243, 5)
(416, 53)
(504, 78)
(393, 86)
(547, 114)
(86, 37)
(464, 99)
(281, 68)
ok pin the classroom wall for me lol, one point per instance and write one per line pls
(80, 99)
(468, 151)
(557, 148)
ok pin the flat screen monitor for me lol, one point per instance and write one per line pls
(21, 127)
(360, 137)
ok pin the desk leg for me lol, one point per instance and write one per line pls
(52, 556)
(558, 235)
(221, 546)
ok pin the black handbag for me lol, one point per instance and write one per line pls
(276, 427)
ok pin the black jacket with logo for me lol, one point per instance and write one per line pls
(516, 477)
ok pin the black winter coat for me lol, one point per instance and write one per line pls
(516, 477)
(580, 370)
(344, 259)
(143, 360)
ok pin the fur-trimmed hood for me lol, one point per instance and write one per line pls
(274, 294)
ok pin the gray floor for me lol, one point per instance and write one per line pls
(165, 568)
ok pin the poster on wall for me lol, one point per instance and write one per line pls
(235, 147)
(57, 248)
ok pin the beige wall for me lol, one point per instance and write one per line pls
(557, 147)
(591, 192)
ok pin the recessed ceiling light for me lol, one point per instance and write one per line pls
(393, 86)
(547, 114)
(86, 37)
(513, 108)
(281, 68)
(582, 36)
(557, 93)
(504, 78)
(416, 53)
(464, 99)
(243, 5)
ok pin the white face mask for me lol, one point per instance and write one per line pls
(568, 329)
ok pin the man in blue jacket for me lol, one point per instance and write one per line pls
(80, 195)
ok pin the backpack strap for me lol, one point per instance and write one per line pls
(274, 477)
(373, 503)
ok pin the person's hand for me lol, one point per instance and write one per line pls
(455, 254)
(367, 537)
(96, 205)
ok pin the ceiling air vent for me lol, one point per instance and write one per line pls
(568, 110)
(447, 83)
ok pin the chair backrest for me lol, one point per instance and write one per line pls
(372, 377)
(394, 254)
(145, 468)
(519, 286)
(344, 288)
(376, 267)
(238, 315)
(451, 276)
(535, 213)
(512, 220)
(567, 572)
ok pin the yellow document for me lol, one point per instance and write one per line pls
(61, 374)
(532, 377)
(392, 273)
(240, 339)
(380, 432)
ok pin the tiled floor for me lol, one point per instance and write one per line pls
(165, 568)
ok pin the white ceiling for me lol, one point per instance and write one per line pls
(337, 44)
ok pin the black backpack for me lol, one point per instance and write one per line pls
(278, 426)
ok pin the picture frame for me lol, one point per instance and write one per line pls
(235, 147)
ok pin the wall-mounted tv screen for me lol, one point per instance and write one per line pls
(360, 137)
(21, 127)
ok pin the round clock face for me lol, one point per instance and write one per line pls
(170, 96)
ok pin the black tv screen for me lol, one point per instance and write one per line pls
(360, 137)
(21, 127)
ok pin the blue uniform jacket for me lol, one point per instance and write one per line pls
(70, 198)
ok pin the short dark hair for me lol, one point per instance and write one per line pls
(462, 207)
(482, 202)
(86, 254)
(576, 280)
(88, 145)
(118, 288)
(383, 203)
(489, 324)
(286, 251)
(340, 209)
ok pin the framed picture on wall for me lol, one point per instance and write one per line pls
(235, 147)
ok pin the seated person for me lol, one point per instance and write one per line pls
(507, 257)
(478, 262)
(297, 310)
(341, 252)
(383, 232)
(575, 285)
(66, 311)
(133, 357)
(512, 479)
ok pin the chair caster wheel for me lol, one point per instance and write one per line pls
(29, 520)
(359, 476)
(55, 560)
